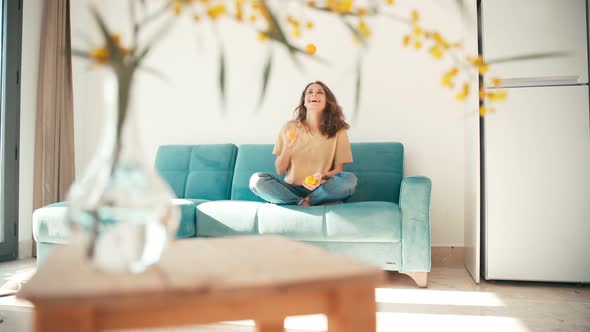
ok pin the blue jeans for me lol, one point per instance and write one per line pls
(274, 190)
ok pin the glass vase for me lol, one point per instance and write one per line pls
(120, 211)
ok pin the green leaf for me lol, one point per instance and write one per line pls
(222, 77)
(265, 76)
(357, 88)
(462, 8)
(139, 58)
(114, 52)
(530, 56)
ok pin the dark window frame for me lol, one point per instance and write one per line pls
(10, 118)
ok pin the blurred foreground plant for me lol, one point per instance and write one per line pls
(275, 22)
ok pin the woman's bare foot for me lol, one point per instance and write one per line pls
(304, 202)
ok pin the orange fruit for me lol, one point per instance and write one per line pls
(311, 180)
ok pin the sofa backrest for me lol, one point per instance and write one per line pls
(379, 168)
(251, 158)
(198, 171)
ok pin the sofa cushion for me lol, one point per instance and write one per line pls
(364, 222)
(50, 223)
(226, 218)
(251, 158)
(198, 171)
(379, 168)
(358, 222)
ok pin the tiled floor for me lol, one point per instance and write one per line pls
(453, 302)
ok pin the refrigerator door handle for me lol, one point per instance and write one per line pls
(537, 81)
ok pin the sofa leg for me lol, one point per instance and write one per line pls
(420, 278)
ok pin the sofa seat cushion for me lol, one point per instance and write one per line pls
(188, 210)
(359, 222)
(50, 223)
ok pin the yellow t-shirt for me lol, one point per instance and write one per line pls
(313, 153)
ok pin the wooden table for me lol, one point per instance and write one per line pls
(200, 281)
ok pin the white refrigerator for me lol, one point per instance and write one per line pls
(535, 221)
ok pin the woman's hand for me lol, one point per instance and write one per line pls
(319, 177)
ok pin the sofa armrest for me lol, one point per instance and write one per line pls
(414, 202)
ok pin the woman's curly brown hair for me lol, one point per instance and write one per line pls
(332, 119)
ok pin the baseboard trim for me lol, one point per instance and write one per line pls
(25, 249)
(447, 256)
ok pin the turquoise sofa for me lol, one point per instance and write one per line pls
(386, 222)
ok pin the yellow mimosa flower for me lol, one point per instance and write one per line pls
(364, 29)
(240, 9)
(214, 11)
(463, 93)
(362, 11)
(389, 2)
(100, 55)
(177, 7)
(496, 96)
(293, 21)
(311, 4)
(310, 49)
(407, 39)
(309, 25)
(417, 30)
(262, 36)
(438, 37)
(436, 52)
(483, 68)
(339, 6)
(415, 16)
(417, 44)
(483, 111)
(453, 72)
(256, 5)
(447, 81)
(475, 61)
(296, 32)
(496, 81)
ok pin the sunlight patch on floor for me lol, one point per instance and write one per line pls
(306, 323)
(391, 321)
(426, 296)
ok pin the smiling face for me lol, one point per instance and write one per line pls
(315, 97)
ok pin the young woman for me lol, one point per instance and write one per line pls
(312, 150)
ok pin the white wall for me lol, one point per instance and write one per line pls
(31, 35)
(402, 99)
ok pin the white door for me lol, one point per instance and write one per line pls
(513, 28)
(537, 186)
